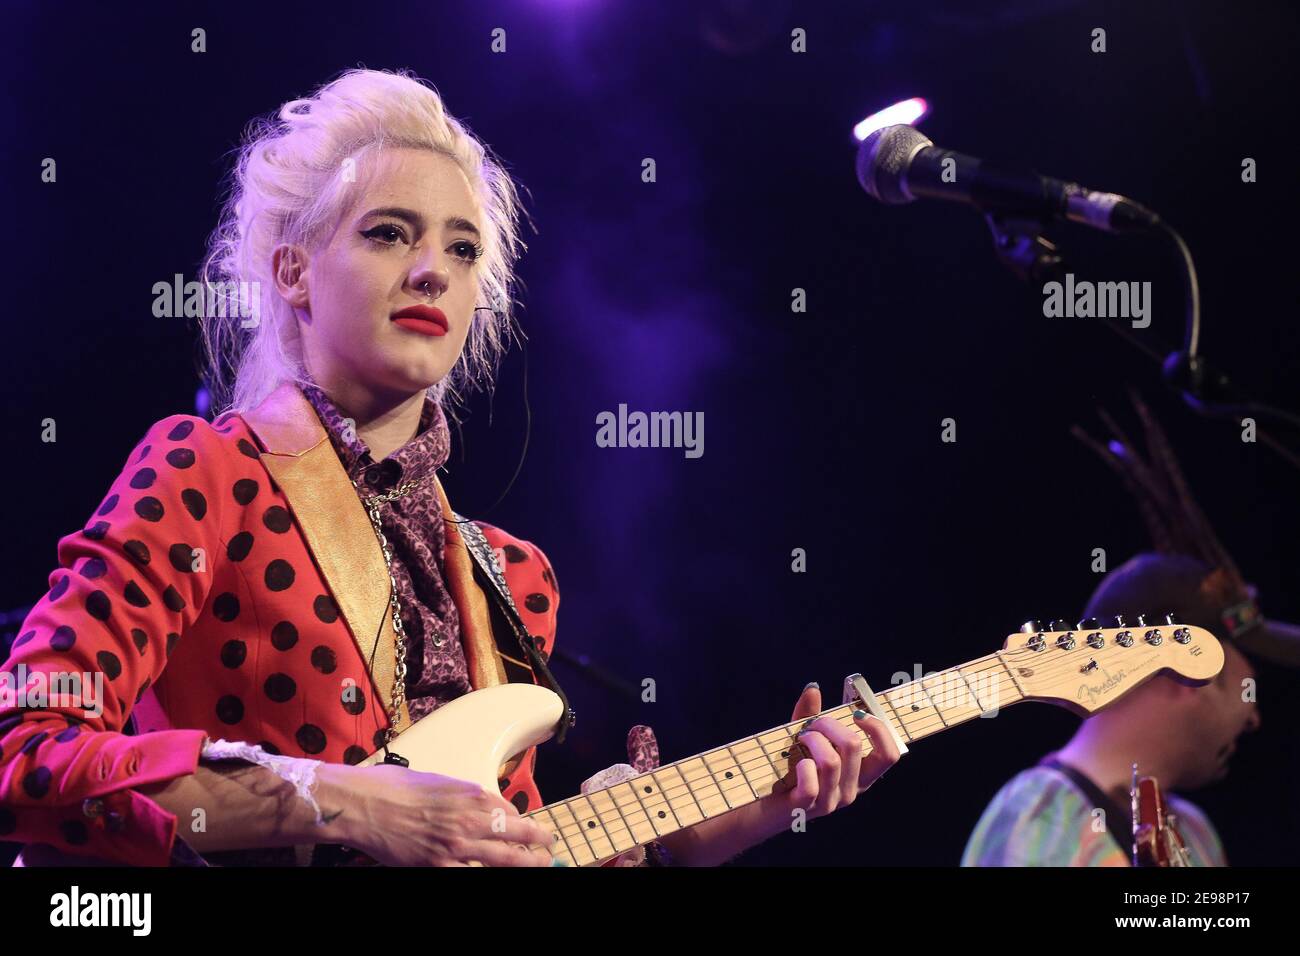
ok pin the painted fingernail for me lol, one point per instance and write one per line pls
(556, 861)
(812, 683)
(859, 714)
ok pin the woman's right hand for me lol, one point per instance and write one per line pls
(401, 817)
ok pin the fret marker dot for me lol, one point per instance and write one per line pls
(647, 789)
(728, 774)
(661, 814)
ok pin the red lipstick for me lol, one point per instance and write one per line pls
(425, 319)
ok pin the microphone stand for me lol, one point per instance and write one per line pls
(1020, 245)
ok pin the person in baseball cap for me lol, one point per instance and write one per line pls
(1183, 735)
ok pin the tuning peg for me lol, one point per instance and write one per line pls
(1142, 620)
(1088, 624)
(1119, 621)
(1172, 618)
(1031, 627)
(1059, 624)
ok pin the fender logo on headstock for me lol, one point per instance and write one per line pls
(1093, 691)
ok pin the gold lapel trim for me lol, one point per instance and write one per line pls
(481, 655)
(304, 464)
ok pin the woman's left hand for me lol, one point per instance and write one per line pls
(829, 776)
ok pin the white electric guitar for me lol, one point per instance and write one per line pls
(1083, 669)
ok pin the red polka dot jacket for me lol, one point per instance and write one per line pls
(193, 592)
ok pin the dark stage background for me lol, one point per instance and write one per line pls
(822, 429)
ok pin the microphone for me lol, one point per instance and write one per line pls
(898, 164)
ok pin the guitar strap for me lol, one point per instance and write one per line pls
(508, 629)
(1116, 817)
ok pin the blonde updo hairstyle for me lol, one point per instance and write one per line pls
(290, 184)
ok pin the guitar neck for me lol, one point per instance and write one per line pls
(601, 825)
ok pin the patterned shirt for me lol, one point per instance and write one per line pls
(1041, 818)
(437, 671)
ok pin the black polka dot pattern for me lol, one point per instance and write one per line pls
(279, 575)
(233, 653)
(226, 607)
(239, 547)
(280, 688)
(324, 659)
(135, 595)
(195, 503)
(150, 508)
(98, 605)
(245, 490)
(109, 664)
(93, 568)
(325, 608)
(277, 519)
(181, 557)
(310, 738)
(180, 458)
(63, 638)
(181, 431)
(36, 783)
(284, 636)
(267, 652)
(138, 551)
(230, 709)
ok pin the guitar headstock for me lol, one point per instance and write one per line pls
(1087, 667)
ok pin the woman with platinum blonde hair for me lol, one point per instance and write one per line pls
(270, 600)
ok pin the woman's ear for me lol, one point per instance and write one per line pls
(289, 265)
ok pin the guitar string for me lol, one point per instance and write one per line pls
(924, 727)
(765, 755)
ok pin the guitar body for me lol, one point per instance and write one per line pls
(1156, 840)
(472, 736)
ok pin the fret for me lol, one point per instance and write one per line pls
(635, 790)
(1010, 673)
(727, 775)
(955, 691)
(611, 794)
(901, 725)
(910, 708)
(559, 831)
(742, 773)
(603, 813)
(654, 804)
(631, 806)
(596, 830)
(933, 704)
(654, 775)
(973, 695)
(644, 790)
(572, 822)
(762, 748)
(783, 741)
(699, 811)
(710, 782)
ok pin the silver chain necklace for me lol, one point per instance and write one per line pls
(371, 505)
